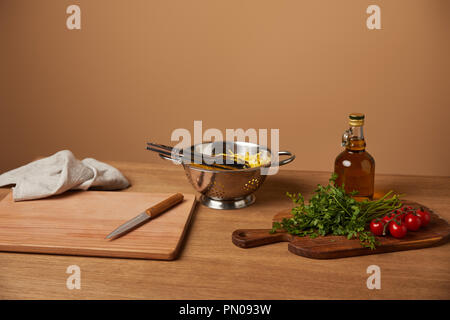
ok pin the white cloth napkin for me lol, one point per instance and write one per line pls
(59, 173)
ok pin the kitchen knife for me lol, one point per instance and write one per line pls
(148, 214)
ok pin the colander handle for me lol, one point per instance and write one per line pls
(285, 161)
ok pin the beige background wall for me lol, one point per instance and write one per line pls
(139, 69)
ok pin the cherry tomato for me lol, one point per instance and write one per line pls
(387, 219)
(394, 214)
(401, 214)
(407, 208)
(397, 230)
(424, 216)
(412, 222)
(377, 227)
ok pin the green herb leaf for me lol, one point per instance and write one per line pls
(333, 211)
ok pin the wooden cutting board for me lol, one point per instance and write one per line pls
(76, 223)
(437, 232)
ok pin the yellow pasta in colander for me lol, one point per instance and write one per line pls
(251, 161)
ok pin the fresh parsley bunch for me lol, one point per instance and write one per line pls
(333, 211)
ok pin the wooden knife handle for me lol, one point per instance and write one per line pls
(249, 238)
(164, 205)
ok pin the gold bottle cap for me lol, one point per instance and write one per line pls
(356, 119)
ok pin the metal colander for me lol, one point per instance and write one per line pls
(231, 189)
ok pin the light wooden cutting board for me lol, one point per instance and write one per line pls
(76, 223)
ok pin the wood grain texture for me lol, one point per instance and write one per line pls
(76, 223)
(437, 232)
(210, 266)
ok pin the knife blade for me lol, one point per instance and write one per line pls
(148, 214)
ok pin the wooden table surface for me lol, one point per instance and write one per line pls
(211, 267)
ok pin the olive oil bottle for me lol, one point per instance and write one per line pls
(355, 166)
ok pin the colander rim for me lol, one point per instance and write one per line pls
(228, 171)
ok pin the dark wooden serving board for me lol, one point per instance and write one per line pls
(437, 232)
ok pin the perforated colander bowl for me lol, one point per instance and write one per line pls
(230, 189)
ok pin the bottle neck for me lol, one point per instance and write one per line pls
(353, 139)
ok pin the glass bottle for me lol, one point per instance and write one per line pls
(355, 166)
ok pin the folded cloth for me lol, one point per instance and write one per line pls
(59, 173)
